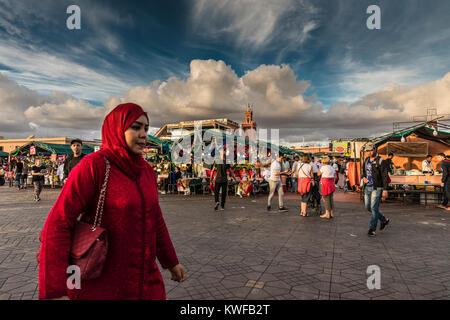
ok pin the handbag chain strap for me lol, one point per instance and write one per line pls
(101, 199)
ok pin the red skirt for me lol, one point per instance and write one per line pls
(327, 186)
(304, 185)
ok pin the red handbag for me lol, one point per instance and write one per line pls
(89, 242)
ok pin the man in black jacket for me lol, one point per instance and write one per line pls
(445, 182)
(375, 176)
(76, 145)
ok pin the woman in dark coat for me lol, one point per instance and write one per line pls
(137, 233)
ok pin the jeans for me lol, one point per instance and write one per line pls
(224, 187)
(275, 185)
(294, 184)
(372, 202)
(18, 176)
(23, 179)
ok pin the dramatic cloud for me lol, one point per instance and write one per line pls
(72, 113)
(213, 90)
(47, 73)
(23, 111)
(254, 23)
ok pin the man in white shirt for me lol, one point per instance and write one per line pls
(427, 166)
(316, 165)
(60, 174)
(275, 184)
(266, 174)
(294, 177)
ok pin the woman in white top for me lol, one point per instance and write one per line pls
(327, 173)
(305, 182)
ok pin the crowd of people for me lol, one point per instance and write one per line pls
(25, 171)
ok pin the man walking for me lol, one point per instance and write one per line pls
(375, 177)
(76, 145)
(275, 184)
(18, 170)
(221, 182)
(445, 181)
(38, 172)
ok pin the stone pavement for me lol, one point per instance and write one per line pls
(247, 253)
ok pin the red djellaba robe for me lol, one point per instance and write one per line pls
(137, 233)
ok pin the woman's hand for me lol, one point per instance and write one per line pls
(178, 273)
(61, 298)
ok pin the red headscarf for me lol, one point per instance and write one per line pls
(114, 146)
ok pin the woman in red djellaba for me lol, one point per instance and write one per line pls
(136, 231)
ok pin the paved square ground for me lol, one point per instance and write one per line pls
(246, 252)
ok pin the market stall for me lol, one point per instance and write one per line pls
(410, 148)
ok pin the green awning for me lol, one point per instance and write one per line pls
(60, 149)
(63, 148)
(4, 154)
(422, 131)
(159, 142)
(282, 150)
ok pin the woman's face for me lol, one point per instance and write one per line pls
(136, 135)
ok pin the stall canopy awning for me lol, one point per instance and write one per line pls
(60, 149)
(158, 142)
(63, 148)
(281, 149)
(4, 154)
(422, 131)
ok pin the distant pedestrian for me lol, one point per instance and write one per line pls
(38, 172)
(72, 160)
(305, 183)
(24, 176)
(327, 174)
(445, 181)
(221, 182)
(294, 178)
(60, 174)
(375, 177)
(18, 171)
(275, 184)
(316, 165)
(285, 167)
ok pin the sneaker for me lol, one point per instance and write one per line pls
(269, 208)
(222, 209)
(383, 225)
(216, 206)
(371, 233)
(282, 209)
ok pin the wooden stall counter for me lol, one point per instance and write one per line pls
(435, 179)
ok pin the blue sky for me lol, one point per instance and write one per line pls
(128, 44)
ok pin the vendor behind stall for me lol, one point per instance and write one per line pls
(427, 166)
